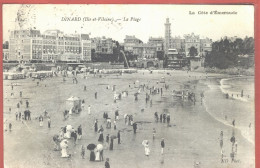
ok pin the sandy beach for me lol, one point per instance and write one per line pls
(193, 135)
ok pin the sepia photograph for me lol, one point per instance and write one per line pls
(128, 86)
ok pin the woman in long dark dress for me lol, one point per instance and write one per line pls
(111, 144)
(92, 156)
(101, 138)
(96, 126)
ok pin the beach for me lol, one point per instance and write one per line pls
(192, 137)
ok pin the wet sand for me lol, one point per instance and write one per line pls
(192, 137)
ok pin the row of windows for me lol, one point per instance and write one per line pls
(37, 41)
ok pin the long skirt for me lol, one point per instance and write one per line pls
(92, 156)
(97, 156)
(101, 138)
(68, 134)
(147, 151)
(41, 123)
(64, 152)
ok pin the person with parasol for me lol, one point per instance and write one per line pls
(145, 143)
(99, 152)
(91, 147)
(134, 127)
(96, 125)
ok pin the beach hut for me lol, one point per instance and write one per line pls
(73, 104)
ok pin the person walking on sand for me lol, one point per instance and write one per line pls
(74, 135)
(162, 146)
(29, 114)
(117, 114)
(221, 139)
(115, 125)
(16, 115)
(41, 120)
(107, 165)
(96, 125)
(49, 122)
(107, 139)
(101, 137)
(154, 132)
(20, 115)
(111, 143)
(27, 103)
(10, 126)
(89, 109)
(134, 127)
(79, 132)
(101, 155)
(118, 137)
(146, 149)
(168, 119)
(92, 156)
(82, 152)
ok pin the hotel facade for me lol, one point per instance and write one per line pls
(52, 45)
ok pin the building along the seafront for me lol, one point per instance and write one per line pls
(181, 48)
(102, 45)
(52, 45)
(130, 42)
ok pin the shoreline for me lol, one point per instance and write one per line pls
(244, 131)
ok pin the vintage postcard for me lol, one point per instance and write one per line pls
(127, 86)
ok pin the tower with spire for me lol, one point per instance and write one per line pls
(167, 35)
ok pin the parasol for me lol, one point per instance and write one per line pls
(100, 147)
(145, 142)
(69, 127)
(101, 129)
(91, 146)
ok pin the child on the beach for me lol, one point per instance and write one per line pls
(154, 131)
(82, 151)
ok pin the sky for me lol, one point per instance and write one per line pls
(144, 21)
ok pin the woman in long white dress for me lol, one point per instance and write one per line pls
(64, 146)
(146, 148)
(89, 109)
(41, 121)
(97, 154)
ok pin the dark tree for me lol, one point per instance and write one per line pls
(160, 55)
(193, 52)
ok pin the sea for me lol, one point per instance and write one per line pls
(238, 106)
